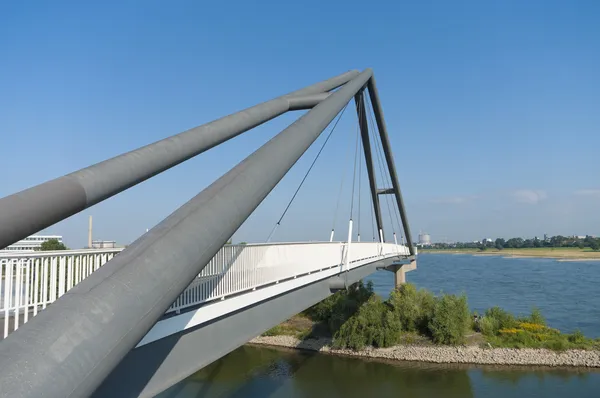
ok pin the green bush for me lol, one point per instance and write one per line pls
(559, 343)
(450, 319)
(373, 325)
(577, 337)
(413, 307)
(502, 319)
(323, 310)
(337, 308)
(537, 317)
(488, 326)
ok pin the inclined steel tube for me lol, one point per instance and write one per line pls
(387, 150)
(36, 208)
(70, 347)
(361, 112)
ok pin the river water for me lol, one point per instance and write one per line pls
(567, 293)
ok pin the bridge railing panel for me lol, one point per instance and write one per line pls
(240, 268)
(31, 281)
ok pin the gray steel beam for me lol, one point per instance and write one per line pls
(385, 191)
(151, 369)
(387, 150)
(301, 102)
(69, 348)
(366, 142)
(36, 208)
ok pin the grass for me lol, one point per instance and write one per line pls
(298, 326)
(548, 252)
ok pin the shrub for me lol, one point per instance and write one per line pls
(412, 307)
(373, 325)
(577, 337)
(558, 343)
(488, 326)
(337, 308)
(536, 317)
(531, 327)
(450, 320)
(323, 310)
(502, 318)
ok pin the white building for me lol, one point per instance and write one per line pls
(424, 239)
(31, 243)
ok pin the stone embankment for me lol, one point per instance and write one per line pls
(446, 354)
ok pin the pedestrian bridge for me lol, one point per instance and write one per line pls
(133, 322)
(238, 278)
(241, 274)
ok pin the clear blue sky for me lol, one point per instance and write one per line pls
(493, 107)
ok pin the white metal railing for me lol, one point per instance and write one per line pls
(31, 281)
(236, 269)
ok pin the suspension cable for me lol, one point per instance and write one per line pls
(359, 185)
(388, 179)
(372, 218)
(339, 198)
(307, 173)
(354, 173)
(384, 175)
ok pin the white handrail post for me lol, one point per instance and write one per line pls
(27, 290)
(18, 285)
(7, 283)
(348, 245)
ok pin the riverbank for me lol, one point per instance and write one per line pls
(444, 354)
(561, 254)
(416, 325)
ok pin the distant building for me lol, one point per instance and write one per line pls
(31, 243)
(424, 239)
(104, 244)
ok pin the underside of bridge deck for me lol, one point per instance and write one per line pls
(152, 368)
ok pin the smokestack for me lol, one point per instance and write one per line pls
(90, 234)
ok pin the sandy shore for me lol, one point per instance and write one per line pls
(446, 354)
(552, 256)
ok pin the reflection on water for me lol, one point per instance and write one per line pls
(264, 372)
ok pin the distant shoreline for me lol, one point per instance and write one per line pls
(562, 255)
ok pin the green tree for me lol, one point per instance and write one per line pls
(594, 245)
(500, 243)
(52, 245)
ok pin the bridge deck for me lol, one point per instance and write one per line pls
(32, 281)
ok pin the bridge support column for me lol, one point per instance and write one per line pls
(400, 270)
(399, 276)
